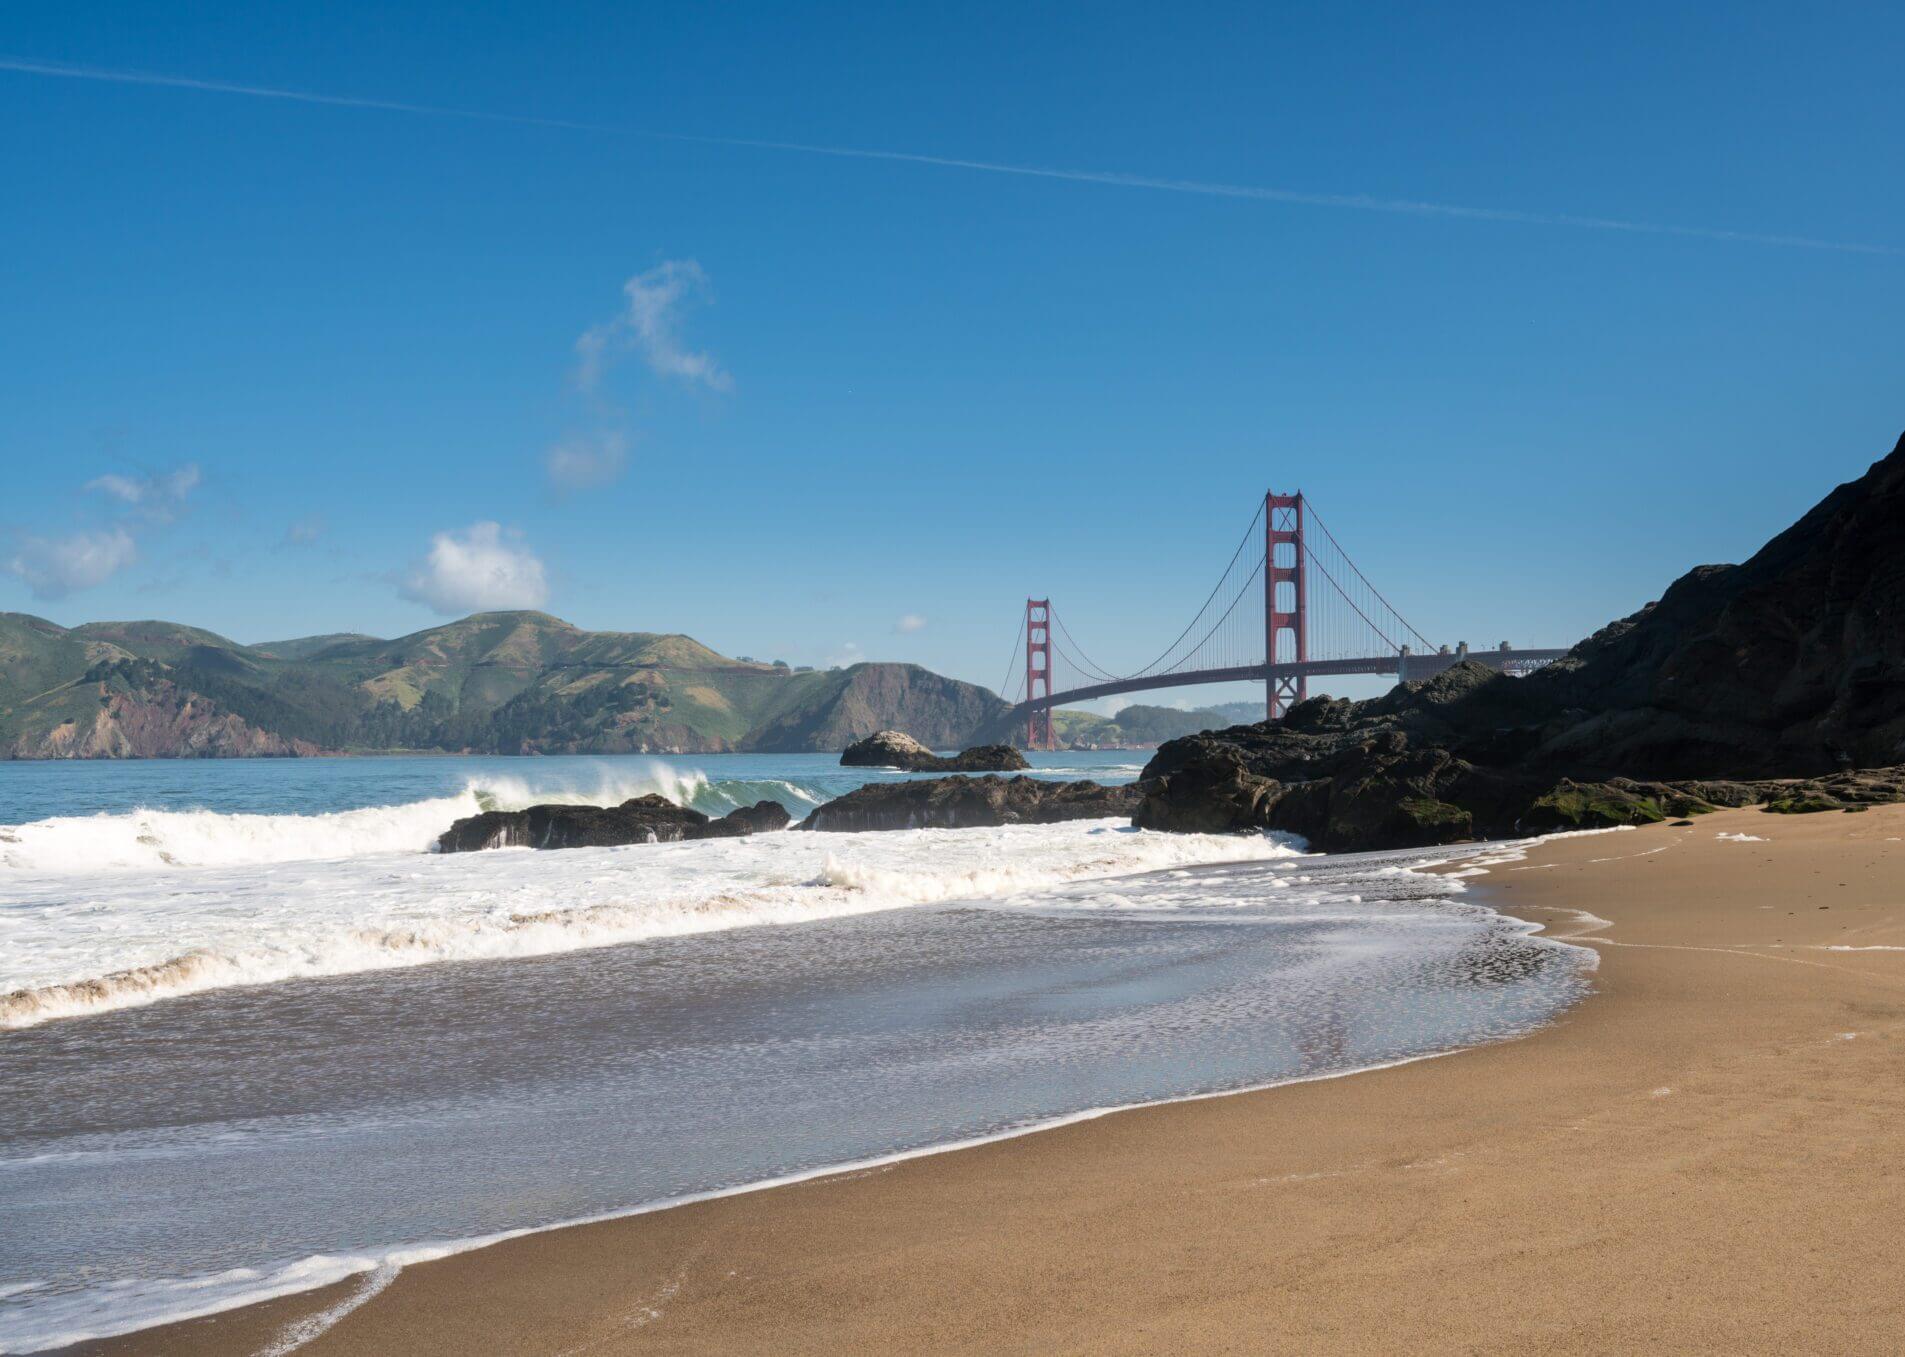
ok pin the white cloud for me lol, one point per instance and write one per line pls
(587, 461)
(161, 496)
(650, 325)
(481, 569)
(305, 531)
(119, 487)
(55, 567)
(910, 622)
(848, 655)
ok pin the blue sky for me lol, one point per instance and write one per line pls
(278, 367)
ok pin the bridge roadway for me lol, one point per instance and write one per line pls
(1403, 666)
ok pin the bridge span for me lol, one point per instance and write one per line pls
(1292, 609)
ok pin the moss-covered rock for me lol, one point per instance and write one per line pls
(1802, 805)
(1437, 821)
(1593, 805)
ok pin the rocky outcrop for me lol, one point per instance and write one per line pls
(1383, 792)
(891, 749)
(644, 819)
(969, 803)
(1771, 681)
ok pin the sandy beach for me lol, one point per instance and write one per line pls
(1704, 1156)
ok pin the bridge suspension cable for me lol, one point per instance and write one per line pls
(1355, 570)
(1010, 691)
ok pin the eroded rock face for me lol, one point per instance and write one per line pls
(1775, 681)
(643, 819)
(1792, 664)
(969, 802)
(891, 749)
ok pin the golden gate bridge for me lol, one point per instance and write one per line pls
(1290, 606)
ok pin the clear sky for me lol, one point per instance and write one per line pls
(282, 366)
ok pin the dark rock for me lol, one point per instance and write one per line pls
(891, 749)
(763, 817)
(969, 802)
(1212, 793)
(1792, 664)
(644, 819)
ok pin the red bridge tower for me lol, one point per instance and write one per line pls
(1284, 609)
(1038, 673)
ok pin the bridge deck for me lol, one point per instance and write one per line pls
(1418, 666)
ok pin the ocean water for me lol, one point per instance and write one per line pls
(255, 1037)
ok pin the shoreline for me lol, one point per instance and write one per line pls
(295, 1279)
(954, 1186)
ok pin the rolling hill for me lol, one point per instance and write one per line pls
(512, 683)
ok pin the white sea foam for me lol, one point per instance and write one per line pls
(144, 840)
(79, 943)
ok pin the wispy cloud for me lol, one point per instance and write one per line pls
(159, 496)
(53, 567)
(587, 461)
(650, 323)
(910, 622)
(480, 569)
(649, 326)
(1360, 202)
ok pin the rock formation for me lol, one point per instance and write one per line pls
(969, 802)
(1782, 674)
(643, 819)
(891, 749)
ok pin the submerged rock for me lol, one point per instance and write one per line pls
(968, 803)
(643, 819)
(891, 749)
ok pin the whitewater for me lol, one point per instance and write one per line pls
(125, 908)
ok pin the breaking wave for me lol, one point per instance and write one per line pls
(347, 916)
(146, 839)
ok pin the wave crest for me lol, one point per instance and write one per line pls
(148, 839)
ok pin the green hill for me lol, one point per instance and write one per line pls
(512, 682)
(303, 647)
(1135, 726)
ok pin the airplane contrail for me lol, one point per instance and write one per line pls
(1111, 178)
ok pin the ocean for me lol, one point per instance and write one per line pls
(256, 1037)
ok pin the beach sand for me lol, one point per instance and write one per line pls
(1707, 1155)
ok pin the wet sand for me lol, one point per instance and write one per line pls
(1708, 1155)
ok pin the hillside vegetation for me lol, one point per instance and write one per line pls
(1135, 725)
(512, 683)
